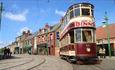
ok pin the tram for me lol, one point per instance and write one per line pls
(77, 36)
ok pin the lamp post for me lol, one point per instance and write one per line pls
(105, 25)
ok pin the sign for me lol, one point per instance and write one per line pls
(84, 23)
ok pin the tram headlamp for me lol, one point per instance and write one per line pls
(88, 49)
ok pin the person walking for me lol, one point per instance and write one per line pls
(8, 51)
(5, 52)
(104, 54)
(101, 52)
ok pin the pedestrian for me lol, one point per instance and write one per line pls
(8, 51)
(104, 54)
(100, 52)
(5, 52)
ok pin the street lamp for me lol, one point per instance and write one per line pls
(105, 25)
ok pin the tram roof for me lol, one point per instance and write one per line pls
(82, 3)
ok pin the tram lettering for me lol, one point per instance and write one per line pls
(89, 23)
(84, 23)
(77, 24)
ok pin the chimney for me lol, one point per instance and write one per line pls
(62, 19)
(47, 26)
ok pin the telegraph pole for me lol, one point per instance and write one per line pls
(105, 23)
(1, 9)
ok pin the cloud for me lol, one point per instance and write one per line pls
(17, 16)
(23, 29)
(3, 44)
(61, 13)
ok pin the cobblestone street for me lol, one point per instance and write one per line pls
(43, 62)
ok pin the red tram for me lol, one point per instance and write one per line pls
(77, 37)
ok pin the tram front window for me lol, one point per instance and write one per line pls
(85, 12)
(77, 12)
(87, 36)
(78, 35)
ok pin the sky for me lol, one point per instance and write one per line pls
(20, 15)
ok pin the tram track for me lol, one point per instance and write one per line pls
(37, 65)
(24, 63)
(18, 64)
(12, 61)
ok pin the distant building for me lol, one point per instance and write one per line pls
(45, 41)
(102, 41)
(21, 42)
(12, 47)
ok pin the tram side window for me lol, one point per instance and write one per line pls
(78, 35)
(77, 12)
(71, 36)
(85, 12)
(71, 14)
(87, 36)
(92, 12)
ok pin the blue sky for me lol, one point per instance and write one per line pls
(19, 15)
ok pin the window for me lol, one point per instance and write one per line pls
(85, 12)
(92, 12)
(87, 35)
(94, 36)
(68, 18)
(76, 6)
(71, 8)
(71, 36)
(77, 12)
(78, 35)
(71, 14)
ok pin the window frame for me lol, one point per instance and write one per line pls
(88, 14)
(92, 35)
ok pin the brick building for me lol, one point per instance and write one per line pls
(12, 47)
(45, 40)
(102, 39)
(21, 42)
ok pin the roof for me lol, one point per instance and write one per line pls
(102, 34)
(56, 26)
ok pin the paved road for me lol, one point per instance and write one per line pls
(42, 62)
(54, 63)
(106, 64)
(21, 62)
(34, 62)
